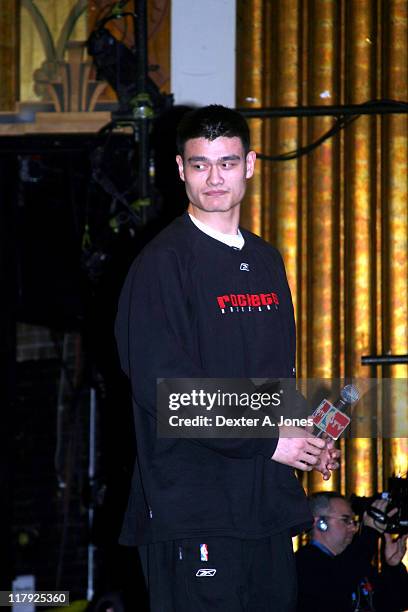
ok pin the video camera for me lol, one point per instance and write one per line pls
(396, 496)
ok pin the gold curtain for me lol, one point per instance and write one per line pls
(339, 214)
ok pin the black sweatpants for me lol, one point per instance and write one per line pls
(225, 575)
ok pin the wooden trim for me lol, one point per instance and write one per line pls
(58, 123)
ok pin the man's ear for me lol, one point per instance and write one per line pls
(180, 165)
(250, 164)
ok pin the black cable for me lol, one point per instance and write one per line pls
(103, 12)
(341, 122)
(339, 125)
(385, 102)
(100, 178)
(370, 107)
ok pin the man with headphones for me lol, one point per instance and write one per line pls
(335, 570)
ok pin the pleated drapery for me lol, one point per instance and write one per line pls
(339, 214)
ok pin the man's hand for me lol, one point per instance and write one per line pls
(395, 549)
(329, 459)
(380, 504)
(299, 449)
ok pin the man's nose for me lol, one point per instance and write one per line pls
(214, 175)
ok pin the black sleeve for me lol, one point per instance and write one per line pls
(391, 588)
(153, 331)
(355, 561)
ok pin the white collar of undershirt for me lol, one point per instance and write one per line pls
(233, 240)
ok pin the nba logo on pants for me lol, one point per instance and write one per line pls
(203, 552)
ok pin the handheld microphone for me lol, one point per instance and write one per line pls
(330, 418)
(349, 395)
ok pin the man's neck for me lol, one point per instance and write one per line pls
(323, 547)
(224, 222)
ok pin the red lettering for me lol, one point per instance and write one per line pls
(249, 299)
(222, 299)
(266, 299)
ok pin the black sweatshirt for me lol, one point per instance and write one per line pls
(193, 307)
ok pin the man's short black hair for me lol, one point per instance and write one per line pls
(211, 122)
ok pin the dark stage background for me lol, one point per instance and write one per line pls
(69, 230)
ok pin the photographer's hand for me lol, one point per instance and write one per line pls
(380, 504)
(395, 549)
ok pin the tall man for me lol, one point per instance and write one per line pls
(213, 518)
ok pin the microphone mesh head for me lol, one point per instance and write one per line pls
(350, 394)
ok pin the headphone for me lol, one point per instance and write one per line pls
(322, 525)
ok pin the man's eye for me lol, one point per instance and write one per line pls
(198, 166)
(228, 164)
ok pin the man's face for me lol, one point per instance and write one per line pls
(215, 172)
(341, 529)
